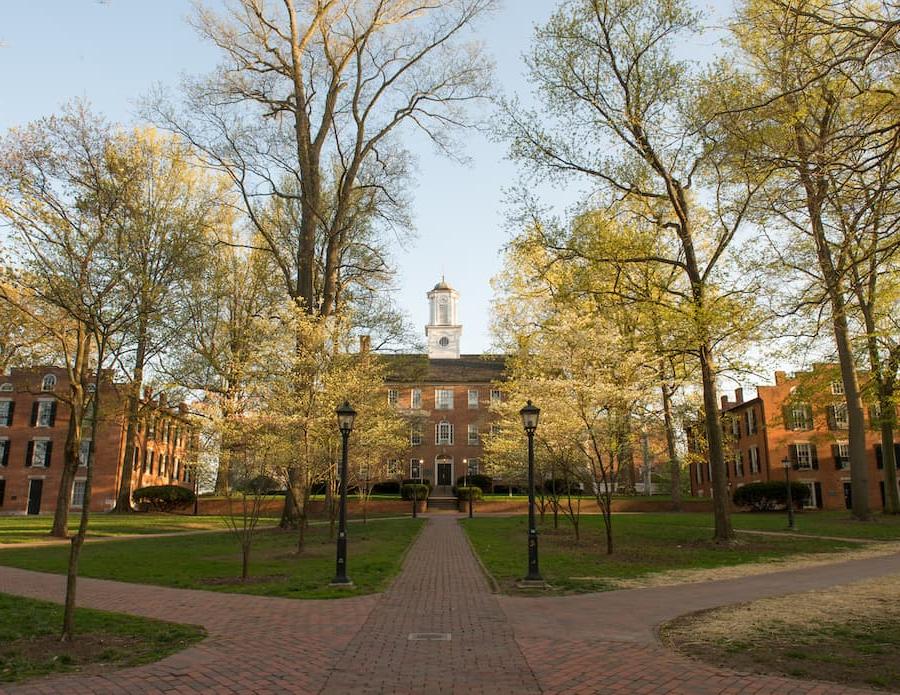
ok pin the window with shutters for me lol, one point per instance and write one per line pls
(837, 388)
(415, 399)
(415, 468)
(751, 421)
(40, 453)
(801, 417)
(473, 435)
(753, 454)
(48, 383)
(2, 491)
(78, 493)
(472, 466)
(152, 461)
(804, 457)
(393, 396)
(443, 399)
(473, 399)
(443, 433)
(6, 412)
(84, 452)
(842, 455)
(735, 427)
(415, 435)
(738, 464)
(4, 452)
(44, 414)
(841, 421)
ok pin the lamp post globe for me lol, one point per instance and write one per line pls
(530, 415)
(345, 416)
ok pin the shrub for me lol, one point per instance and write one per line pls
(505, 489)
(163, 498)
(484, 482)
(465, 493)
(416, 481)
(386, 487)
(420, 492)
(259, 485)
(766, 496)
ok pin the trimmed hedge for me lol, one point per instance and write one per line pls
(420, 492)
(386, 487)
(163, 498)
(766, 496)
(471, 492)
(484, 482)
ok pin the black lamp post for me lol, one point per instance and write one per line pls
(468, 486)
(786, 463)
(345, 416)
(530, 414)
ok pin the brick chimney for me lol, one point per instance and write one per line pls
(780, 378)
(739, 396)
(148, 393)
(365, 344)
(724, 401)
(163, 399)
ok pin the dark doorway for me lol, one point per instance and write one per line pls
(819, 501)
(35, 489)
(848, 495)
(445, 474)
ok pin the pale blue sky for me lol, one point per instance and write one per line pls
(113, 51)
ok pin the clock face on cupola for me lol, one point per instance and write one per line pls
(443, 330)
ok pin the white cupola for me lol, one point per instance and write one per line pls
(443, 330)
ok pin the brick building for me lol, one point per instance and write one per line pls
(446, 397)
(802, 418)
(34, 421)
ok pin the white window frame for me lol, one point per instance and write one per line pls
(393, 467)
(443, 433)
(472, 466)
(443, 399)
(415, 435)
(799, 422)
(78, 503)
(753, 453)
(5, 418)
(34, 451)
(48, 383)
(806, 450)
(738, 464)
(415, 399)
(473, 436)
(393, 396)
(837, 388)
(841, 416)
(496, 396)
(6, 387)
(811, 500)
(751, 421)
(415, 469)
(844, 454)
(44, 413)
(473, 402)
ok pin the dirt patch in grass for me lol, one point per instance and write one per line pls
(91, 653)
(848, 635)
(779, 564)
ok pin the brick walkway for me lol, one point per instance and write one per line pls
(596, 643)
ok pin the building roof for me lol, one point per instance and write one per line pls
(442, 285)
(417, 368)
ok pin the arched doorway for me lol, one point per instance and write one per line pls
(443, 469)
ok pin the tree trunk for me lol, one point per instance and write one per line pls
(290, 514)
(674, 463)
(888, 458)
(71, 455)
(715, 449)
(245, 561)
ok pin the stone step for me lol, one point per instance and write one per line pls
(441, 502)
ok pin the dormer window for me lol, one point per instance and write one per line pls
(837, 388)
(49, 382)
(6, 388)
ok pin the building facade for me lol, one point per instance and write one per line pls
(802, 418)
(445, 396)
(34, 421)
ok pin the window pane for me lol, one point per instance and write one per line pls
(473, 398)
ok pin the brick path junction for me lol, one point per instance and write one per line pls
(437, 629)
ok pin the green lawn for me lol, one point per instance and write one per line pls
(213, 561)
(644, 544)
(22, 529)
(30, 646)
(840, 524)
